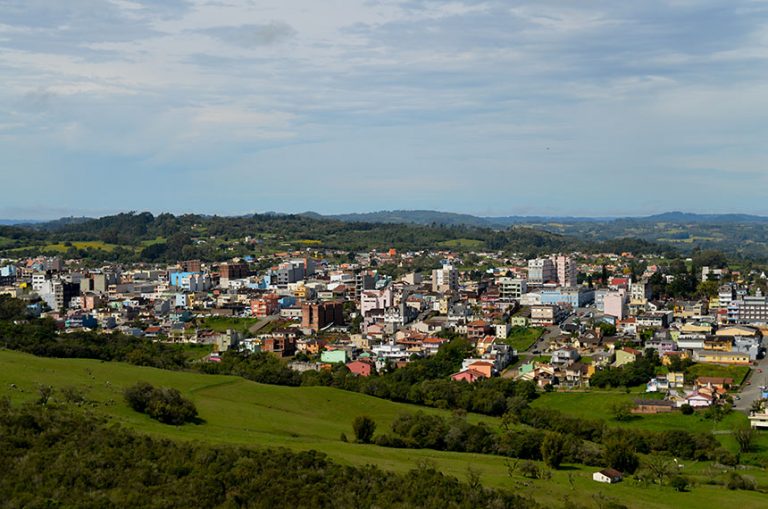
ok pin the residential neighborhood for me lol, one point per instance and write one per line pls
(587, 314)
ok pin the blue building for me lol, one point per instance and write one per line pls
(575, 297)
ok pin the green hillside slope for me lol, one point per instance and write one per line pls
(241, 412)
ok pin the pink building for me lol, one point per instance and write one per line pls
(615, 304)
(468, 375)
(375, 299)
(360, 368)
(566, 270)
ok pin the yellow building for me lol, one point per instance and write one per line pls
(716, 357)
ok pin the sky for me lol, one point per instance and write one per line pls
(541, 107)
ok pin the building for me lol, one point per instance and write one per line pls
(574, 297)
(191, 266)
(511, 288)
(716, 357)
(615, 304)
(265, 306)
(229, 271)
(318, 315)
(541, 270)
(748, 310)
(334, 356)
(566, 271)
(445, 279)
(360, 367)
(58, 294)
(608, 476)
(376, 299)
(626, 356)
(547, 315)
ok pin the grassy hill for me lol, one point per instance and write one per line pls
(237, 411)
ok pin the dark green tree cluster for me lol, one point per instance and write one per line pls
(629, 375)
(39, 337)
(164, 404)
(60, 457)
(166, 237)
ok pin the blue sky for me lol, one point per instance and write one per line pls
(486, 107)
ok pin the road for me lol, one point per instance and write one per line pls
(538, 346)
(751, 392)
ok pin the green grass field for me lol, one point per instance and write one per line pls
(236, 411)
(222, 323)
(738, 373)
(523, 338)
(462, 244)
(597, 404)
(93, 244)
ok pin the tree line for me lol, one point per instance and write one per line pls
(60, 456)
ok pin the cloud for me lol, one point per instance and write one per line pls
(251, 36)
(470, 92)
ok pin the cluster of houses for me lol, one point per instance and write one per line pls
(353, 313)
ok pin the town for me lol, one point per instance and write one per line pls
(565, 322)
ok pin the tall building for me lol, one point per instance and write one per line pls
(57, 294)
(191, 266)
(541, 270)
(445, 279)
(316, 316)
(229, 271)
(511, 288)
(566, 270)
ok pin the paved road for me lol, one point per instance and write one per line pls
(751, 392)
(263, 323)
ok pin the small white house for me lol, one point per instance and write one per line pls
(608, 475)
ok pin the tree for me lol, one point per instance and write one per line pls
(45, 392)
(622, 410)
(679, 483)
(163, 404)
(659, 467)
(553, 449)
(620, 454)
(364, 427)
(745, 437)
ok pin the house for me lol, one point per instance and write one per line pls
(657, 384)
(468, 375)
(653, 406)
(565, 355)
(360, 368)
(478, 328)
(715, 357)
(577, 374)
(699, 399)
(481, 366)
(625, 356)
(333, 356)
(608, 476)
(719, 384)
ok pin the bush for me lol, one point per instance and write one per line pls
(163, 404)
(738, 482)
(553, 449)
(686, 409)
(364, 427)
(679, 483)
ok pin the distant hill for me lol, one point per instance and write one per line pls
(686, 217)
(423, 217)
(13, 222)
(429, 217)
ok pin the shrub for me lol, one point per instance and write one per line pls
(686, 409)
(679, 483)
(364, 427)
(738, 482)
(163, 404)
